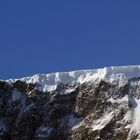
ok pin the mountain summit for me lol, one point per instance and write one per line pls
(98, 104)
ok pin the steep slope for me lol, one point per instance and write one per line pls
(98, 104)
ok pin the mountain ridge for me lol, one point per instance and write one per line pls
(98, 104)
(108, 74)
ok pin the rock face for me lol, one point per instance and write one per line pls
(81, 105)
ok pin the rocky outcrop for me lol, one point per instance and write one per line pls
(95, 110)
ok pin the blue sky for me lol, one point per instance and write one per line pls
(43, 36)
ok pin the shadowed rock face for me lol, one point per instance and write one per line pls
(89, 111)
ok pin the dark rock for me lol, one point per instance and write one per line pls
(89, 112)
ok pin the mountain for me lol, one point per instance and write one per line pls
(98, 104)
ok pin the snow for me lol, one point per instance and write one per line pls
(74, 122)
(69, 90)
(136, 123)
(133, 115)
(23, 108)
(115, 75)
(124, 99)
(16, 95)
(44, 132)
(101, 123)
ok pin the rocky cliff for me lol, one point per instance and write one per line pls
(99, 104)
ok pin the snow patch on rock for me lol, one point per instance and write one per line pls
(16, 95)
(74, 122)
(136, 124)
(44, 132)
(124, 99)
(101, 123)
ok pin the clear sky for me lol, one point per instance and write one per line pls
(43, 36)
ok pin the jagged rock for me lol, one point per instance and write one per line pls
(63, 109)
